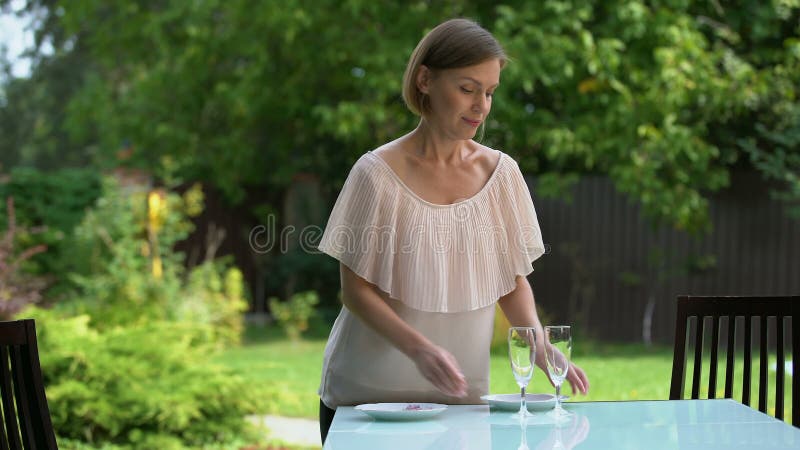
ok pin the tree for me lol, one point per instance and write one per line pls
(33, 110)
(650, 93)
(666, 97)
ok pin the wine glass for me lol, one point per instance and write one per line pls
(521, 352)
(558, 348)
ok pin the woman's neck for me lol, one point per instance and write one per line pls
(430, 144)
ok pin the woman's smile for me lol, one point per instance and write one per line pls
(472, 123)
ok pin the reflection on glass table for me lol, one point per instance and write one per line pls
(538, 431)
(654, 425)
(566, 434)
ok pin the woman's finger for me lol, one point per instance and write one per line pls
(578, 380)
(452, 372)
(437, 373)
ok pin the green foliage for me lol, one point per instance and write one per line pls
(214, 294)
(657, 95)
(33, 111)
(773, 149)
(57, 199)
(115, 281)
(48, 207)
(125, 353)
(129, 272)
(148, 386)
(293, 315)
(17, 288)
(665, 97)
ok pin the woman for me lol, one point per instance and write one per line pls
(431, 230)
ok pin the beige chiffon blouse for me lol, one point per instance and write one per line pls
(441, 268)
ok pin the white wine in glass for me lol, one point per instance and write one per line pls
(521, 352)
(558, 350)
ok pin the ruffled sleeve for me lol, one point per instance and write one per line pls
(361, 227)
(438, 258)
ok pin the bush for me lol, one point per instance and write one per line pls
(17, 288)
(146, 386)
(129, 273)
(214, 295)
(294, 314)
(125, 352)
(52, 204)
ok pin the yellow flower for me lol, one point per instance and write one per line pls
(156, 209)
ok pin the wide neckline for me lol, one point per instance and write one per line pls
(413, 194)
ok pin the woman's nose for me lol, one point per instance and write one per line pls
(480, 104)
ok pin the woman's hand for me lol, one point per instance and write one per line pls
(439, 367)
(576, 377)
(578, 380)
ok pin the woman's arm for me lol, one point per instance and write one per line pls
(436, 364)
(519, 307)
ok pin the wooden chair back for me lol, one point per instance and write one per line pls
(732, 320)
(25, 423)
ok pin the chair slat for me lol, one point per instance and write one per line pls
(748, 308)
(698, 357)
(795, 371)
(21, 391)
(9, 411)
(3, 434)
(748, 360)
(781, 367)
(25, 414)
(679, 354)
(44, 435)
(762, 358)
(712, 376)
(730, 356)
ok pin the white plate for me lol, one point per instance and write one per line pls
(402, 411)
(510, 402)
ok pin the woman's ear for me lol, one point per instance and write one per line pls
(424, 76)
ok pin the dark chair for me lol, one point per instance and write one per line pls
(25, 420)
(725, 328)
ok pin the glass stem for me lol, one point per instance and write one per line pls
(558, 398)
(523, 405)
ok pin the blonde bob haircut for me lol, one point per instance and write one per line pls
(453, 44)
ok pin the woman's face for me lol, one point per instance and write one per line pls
(460, 99)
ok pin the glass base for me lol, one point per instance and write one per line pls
(559, 415)
(523, 413)
(518, 416)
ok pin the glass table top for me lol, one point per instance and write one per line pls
(668, 424)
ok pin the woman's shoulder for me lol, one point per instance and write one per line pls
(395, 155)
(392, 155)
(369, 169)
(488, 158)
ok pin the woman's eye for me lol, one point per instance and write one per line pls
(466, 91)
(490, 94)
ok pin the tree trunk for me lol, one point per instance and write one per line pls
(647, 320)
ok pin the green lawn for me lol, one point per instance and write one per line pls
(616, 372)
(289, 372)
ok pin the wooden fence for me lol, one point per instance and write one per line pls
(605, 258)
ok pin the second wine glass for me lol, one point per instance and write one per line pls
(558, 349)
(522, 352)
